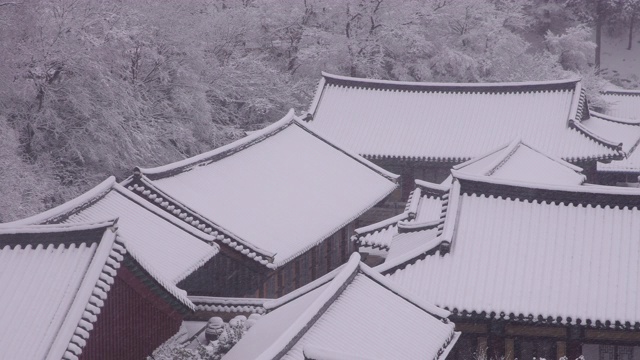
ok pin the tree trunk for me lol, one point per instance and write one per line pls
(599, 21)
(631, 22)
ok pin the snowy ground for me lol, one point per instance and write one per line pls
(621, 64)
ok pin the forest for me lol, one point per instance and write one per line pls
(92, 88)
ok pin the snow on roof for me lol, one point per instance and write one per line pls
(262, 188)
(403, 243)
(565, 251)
(423, 206)
(623, 103)
(623, 130)
(349, 316)
(454, 122)
(519, 161)
(169, 249)
(72, 267)
(54, 281)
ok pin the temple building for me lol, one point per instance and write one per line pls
(623, 107)
(421, 130)
(532, 261)
(281, 203)
(172, 248)
(77, 292)
(349, 314)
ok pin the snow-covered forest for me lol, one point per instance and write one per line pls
(90, 88)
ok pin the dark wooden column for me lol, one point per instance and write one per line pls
(495, 342)
(574, 342)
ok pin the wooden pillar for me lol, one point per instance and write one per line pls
(561, 349)
(509, 349)
(496, 342)
(574, 343)
(482, 347)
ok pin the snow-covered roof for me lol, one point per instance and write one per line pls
(556, 254)
(261, 188)
(169, 248)
(455, 122)
(623, 103)
(423, 208)
(519, 161)
(346, 316)
(627, 132)
(54, 280)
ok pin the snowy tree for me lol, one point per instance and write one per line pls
(91, 88)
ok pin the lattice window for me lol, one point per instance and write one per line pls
(607, 352)
(625, 352)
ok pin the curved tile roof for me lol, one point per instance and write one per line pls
(455, 122)
(259, 187)
(341, 316)
(542, 256)
(169, 249)
(623, 103)
(55, 279)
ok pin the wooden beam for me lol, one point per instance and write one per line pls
(471, 328)
(535, 331)
(612, 335)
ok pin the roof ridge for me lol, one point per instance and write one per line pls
(406, 226)
(414, 254)
(523, 86)
(615, 118)
(11, 228)
(498, 163)
(90, 297)
(431, 309)
(309, 316)
(595, 189)
(130, 195)
(435, 187)
(622, 92)
(511, 149)
(273, 304)
(260, 135)
(150, 191)
(72, 206)
(166, 284)
(480, 157)
(381, 225)
(217, 153)
(361, 159)
(612, 144)
(557, 160)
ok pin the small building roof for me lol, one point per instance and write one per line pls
(55, 279)
(623, 104)
(558, 254)
(423, 218)
(519, 161)
(626, 131)
(345, 315)
(168, 247)
(455, 122)
(422, 212)
(259, 188)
